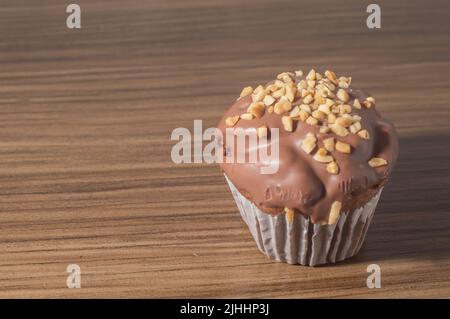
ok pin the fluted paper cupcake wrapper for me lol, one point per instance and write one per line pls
(300, 241)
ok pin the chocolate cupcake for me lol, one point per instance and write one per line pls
(335, 154)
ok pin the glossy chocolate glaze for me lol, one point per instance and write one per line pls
(303, 184)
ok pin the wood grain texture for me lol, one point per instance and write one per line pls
(85, 123)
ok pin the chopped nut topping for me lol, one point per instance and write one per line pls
(259, 96)
(309, 143)
(308, 99)
(343, 147)
(232, 120)
(247, 116)
(311, 83)
(367, 104)
(290, 93)
(377, 162)
(289, 214)
(356, 104)
(343, 95)
(324, 108)
(364, 134)
(335, 211)
(344, 109)
(328, 143)
(331, 76)
(288, 124)
(268, 100)
(279, 93)
(282, 106)
(322, 101)
(303, 115)
(371, 99)
(331, 118)
(246, 91)
(294, 112)
(311, 75)
(343, 85)
(305, 108)
(338, 129)
(343, 121)
(311, 121)
(262, 131)
(322, 156)
(256, 109)
(333, 168)
(355, 127)
(324, 129)
(299, 73)
(318, 115)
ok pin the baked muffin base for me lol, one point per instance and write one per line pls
(298, 240)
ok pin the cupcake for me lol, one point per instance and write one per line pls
(334, 153)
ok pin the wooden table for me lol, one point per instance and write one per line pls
(86, 115)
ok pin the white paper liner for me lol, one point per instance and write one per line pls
(302, 242)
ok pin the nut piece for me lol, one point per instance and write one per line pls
(279, 93)
(344, 121)
(344, 109)
(332, 168)
(288, 124)
(309, 143)
(328, 143)
(261, 131)
(259, 95)
(343, 95)
(318, 115)
(321, 156)
(247, 116)
(334, 212)
(367, 104)
(290, 92)
(308, 99)
(324, 129)
(311, 75)
(268, 100)
(377, 162)
(343, 147)
(303, 115)
(331, 76)
(324, 109)
(364, 134)
(355, 127)
(289, 214)
(356, 104)
(338, 130)
(257, 109)
(232, 120)
(299, 73)
(282, 107)
(246, 91)
(311, 121)
(371, 99)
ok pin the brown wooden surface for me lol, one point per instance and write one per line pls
(85, 123)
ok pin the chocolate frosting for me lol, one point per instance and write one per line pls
(302, 183)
